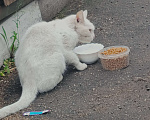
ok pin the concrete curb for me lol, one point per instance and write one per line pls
(49, 8)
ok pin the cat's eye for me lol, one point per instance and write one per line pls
(90, 30)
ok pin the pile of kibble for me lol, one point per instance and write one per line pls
(116, 63)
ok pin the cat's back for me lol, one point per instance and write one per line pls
(42, 33)
(38, 39)
(44, 30)
(45, 36)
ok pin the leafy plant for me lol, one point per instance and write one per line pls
(12, 49)
(4, 35)
(6, 67)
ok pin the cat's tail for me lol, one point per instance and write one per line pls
(29, 93)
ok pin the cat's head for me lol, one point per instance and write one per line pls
(84, 27)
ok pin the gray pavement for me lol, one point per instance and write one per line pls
(97, 94)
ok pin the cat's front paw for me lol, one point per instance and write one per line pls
(81, 66)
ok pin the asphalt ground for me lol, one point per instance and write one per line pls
(95, 93)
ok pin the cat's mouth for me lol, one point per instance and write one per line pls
(86, 39)
(83, 42)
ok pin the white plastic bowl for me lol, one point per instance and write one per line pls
(88, 53)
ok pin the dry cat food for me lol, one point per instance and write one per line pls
(114, 50)
(115, 57)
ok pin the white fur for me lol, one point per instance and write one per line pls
(43, 53)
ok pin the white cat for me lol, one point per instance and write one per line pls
(43, 53)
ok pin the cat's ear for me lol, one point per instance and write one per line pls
(80, 17)
(85, 13)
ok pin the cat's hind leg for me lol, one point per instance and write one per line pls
(50, 72)
(72, 58)
(50, 84)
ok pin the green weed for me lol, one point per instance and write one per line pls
(13, 47)
(6, 68)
